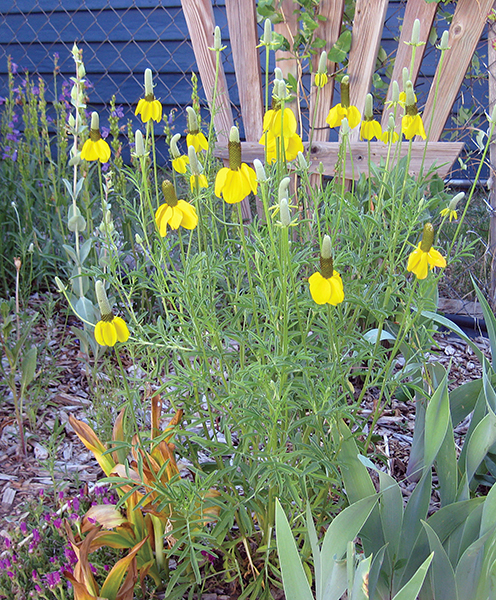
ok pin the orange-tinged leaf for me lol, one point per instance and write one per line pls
(156, 413)
(110, 588)
(80, 591)
(120, 539)
(91, 441)
(106, 515)
(176, 419)
(119, 455)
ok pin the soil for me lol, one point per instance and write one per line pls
(22, 477)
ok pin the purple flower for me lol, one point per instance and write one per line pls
(34, 575)
(210, 557)
(57, 523)
(36, 535)
(61, 495)
(105, 132)
(24, 528)
(56, 55)
(7, 542)
(53, 559)
(10, 574)
(42, 493)
(53, 579)
(5, 564)
(47, 517)
(37, 588)
(14, 66)
(93, 569)
(118, 112)
(2, 100)
(75, 504)
(70, 555)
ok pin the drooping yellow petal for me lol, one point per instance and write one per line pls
(250, 176)
(162, 217)
(179, 164)
(337, 293)
(435, 259)
(199, 181)
(105, 333)
(295, 145)
(220, 181)
(320, 288)
(417, 263)
(197, 140)
(353, 115)
(121, 329)
(336, 115)
(370, 130)
(190, 218)
(412, 126)
(175, 218)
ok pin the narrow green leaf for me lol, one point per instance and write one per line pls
(483, 437)
(360, 584)
(437, 417)
(28, 367)
(411, 589)
(295, 581)
(442, 574)
(314, 544)
(490, 321)
(447, 467)
(469, 567)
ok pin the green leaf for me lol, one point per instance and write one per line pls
(295, 581)
(447, 467)
(483, 437)
(341, 48)
(490, 321)
(360, 583)
(411, 589)
(469, 567)
(28, 367)
(442, 574)
(85, 310)
(437, 417)
(391, 510)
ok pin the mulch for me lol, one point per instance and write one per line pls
(22, 478)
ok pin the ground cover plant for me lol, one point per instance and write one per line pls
(260, 341)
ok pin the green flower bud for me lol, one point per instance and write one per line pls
(267, 34)
(326, 247)
(410, 96)
(443, 44)
(60, 286)
(283, 188)
(217, 39)
(391, 122)
(192, 120)
(138, 239)
(193, 161)
(322, 63)
(395, 92)
(139, 145)
(302, 161)
(95, 121)
(406, 76)
(103, 303)
(415, 33)
(148, 83)
(260, 171)
(234, 134)
(278, 74)
(454, 201)
(173, 145)
(345, 127)
(284, 212)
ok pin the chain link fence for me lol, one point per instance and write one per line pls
(121, 38)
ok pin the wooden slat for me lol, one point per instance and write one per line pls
(285, 60)
(464, 34)
(328, 30)
(243, 34)
(425, 13)
(367, 31)
(200, 20)
(441, 154)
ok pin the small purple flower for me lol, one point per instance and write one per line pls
(53, 579)
(210, 557)
(106, 568)
(105, 167)
(37, 588)
(52, 559)
(14, 67)
(34, 575)
(56, 55)
(42, 493)
(47, 517)
(7, 542)
(57, 523)
(93, 569)
(70, 555)
(36, 536)
(75, 504)
(104, 132)
(118, 112)
(24, 528)
(2, 100)
(5, 564)
(61, 495)
(10, 574)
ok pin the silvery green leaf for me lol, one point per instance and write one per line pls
(442, 574)
(70, 251)
(483, 437)
(76, 223)
(437, 417)
(371, 336)
(84, 309)
(360, 584)
(85, 250)
(295, 581)
(411, 589)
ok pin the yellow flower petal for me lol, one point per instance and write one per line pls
(149, 109)
(179, 164)
(190, 218)
(353, 115)
(220, 181)
(320, 288)
(435, 259)
(370, 130)
(336, 115)
(417, 263)
(121, 329)
(105, 333)
(197, 140)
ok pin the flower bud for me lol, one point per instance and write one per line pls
(60, 286)
(138, 239)
(169, 193)
(284, 212)
(234, 134)
(267, 34)
(192, 120)
(139, 145)
(283, 188)
(345, 127)
(410, 96)
(368, 112)
(148, 83)
(454, 201)
(278, 74)
(95, 121)
(302, 161)
(103, 303)
(326, 247)
(416, 33)
(322, 63)
(427, 237)
(234, 147)
(260, 171)
(443, 44)
(345, 91)
(395, 92)
(173, 145)
(217, 39)
(193, 161)
(391, 122)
